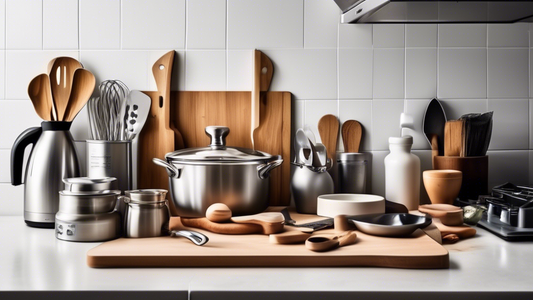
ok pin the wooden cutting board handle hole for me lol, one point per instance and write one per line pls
(161, 101)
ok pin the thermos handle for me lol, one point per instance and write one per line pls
(29, 136)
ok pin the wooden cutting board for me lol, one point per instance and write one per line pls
(191, 112)
(416, 251)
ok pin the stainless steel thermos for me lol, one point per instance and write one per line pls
(53, 157)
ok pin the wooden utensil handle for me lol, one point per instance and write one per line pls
(347, 238)
(222, 228)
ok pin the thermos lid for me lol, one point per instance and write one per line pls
(402, 140)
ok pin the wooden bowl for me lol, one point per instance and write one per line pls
(442, 186)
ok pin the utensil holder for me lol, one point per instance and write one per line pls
(110, 159)
(307, 185)
(475, 173)
(352, 171)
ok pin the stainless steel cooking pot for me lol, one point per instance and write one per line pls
(237, 177)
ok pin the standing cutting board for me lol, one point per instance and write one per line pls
(191, 112)
(416, 251)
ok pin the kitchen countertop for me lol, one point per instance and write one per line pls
(34, 261)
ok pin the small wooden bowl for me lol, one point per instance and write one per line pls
(442, 186)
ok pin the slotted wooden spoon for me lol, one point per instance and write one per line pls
(61, 76)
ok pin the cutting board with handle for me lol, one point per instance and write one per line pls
(255, 250)
(157, 138)
(192, 111)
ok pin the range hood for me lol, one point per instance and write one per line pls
(436, 11)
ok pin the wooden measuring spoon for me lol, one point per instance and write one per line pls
(41, 96)
(61, 75)
(328, 127)
(82, 89)
(351, 136)
(324, 243)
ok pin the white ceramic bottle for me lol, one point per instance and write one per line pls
(402, 173)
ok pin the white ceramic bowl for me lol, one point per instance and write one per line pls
(331, 205)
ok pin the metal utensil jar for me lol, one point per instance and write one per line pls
(237, 177)
(110, 159)
(351, 175)
(147, 213)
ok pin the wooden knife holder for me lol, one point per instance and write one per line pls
(475, 171)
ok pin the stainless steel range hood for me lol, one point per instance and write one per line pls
(436, 11)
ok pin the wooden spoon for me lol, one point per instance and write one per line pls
(82, 89)
(41, 96)
(324, 243)
(61, 75)
(328, 127)
(351, 136)
(272, 222)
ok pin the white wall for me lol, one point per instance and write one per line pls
(371, 73)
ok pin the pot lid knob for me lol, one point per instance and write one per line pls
(218, 136)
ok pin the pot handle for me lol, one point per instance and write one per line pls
(173, 171)
(263, 171)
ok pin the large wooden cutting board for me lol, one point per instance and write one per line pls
(416, 251)
(191, 112)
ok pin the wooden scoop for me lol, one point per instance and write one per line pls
(448, 214)
(324, 243)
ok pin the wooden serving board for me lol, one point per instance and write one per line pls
(416, 251)
(191, 112)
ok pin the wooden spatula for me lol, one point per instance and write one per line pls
(328, 127)
(263, 71)
(454, 138)
(82, 89)
(41, 96)
(351, 136)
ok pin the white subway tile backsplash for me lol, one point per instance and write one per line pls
(316, 109)
(154, 24)
(23, 66)
(308, 74)
(5, 162)
(240, 70)
(508, 35)
(355, 35)
(99, 24)
(2, 74)
(2, 24)
(355, 73)
(388, 75)
(11, 200)
(462, 35)
(60, 24)
(24, 24)
(416, 109)
(130, 67)
(205, 71)
(421, 35)
(508, 166)
(321, 19)
(265, 24)
(361, 111)
(385, 122)
(206, 24)
(389, 35)
(421, 73)
(508, 73)
(15, 117)
(462, 73)
(511, 124)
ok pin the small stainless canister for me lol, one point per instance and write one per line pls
(147, 213)
(352, 172)
(110, 159)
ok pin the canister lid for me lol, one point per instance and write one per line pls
(80, 184)
(217, 151)
(402, 140)
(91, 193)
(351, 156)
(147, 195)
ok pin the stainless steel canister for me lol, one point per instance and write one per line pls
(110, 159)
(352, 172)
(147, 213)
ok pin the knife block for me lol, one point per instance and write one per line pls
(475, 173)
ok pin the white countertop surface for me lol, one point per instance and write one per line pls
(33, 259)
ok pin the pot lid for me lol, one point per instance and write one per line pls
(217, 151)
